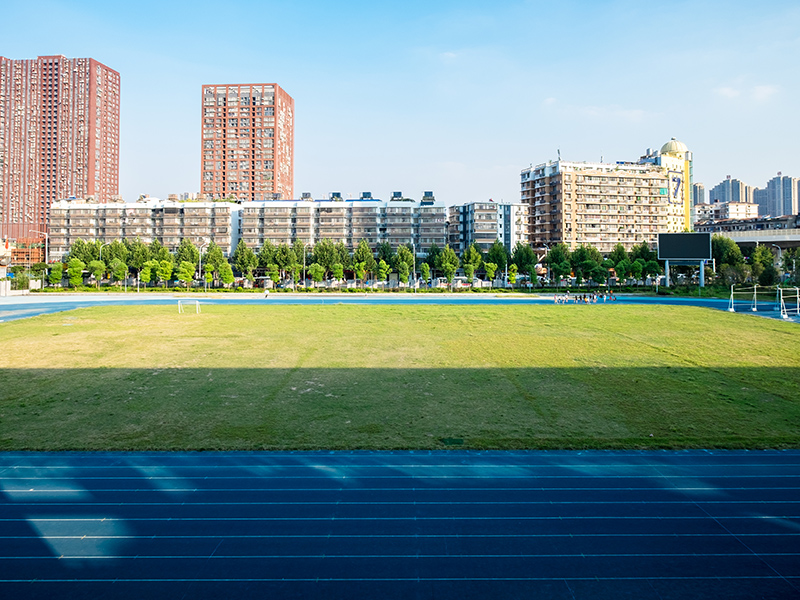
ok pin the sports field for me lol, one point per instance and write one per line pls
(383, 377)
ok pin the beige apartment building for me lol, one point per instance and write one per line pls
(605, 204)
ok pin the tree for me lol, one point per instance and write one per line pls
(618, 253)
(642, 250)
(80, 250)
(75, 271)
(285, 258)
(266, 256)
(359, 269)
(363, 254)
(425, 271)
(96, 268)
(404, 256)
(525, 258)
(623, 269)
(148, 271)
(448, 263)
(385, 252)
(498, 255)
(637, 267)
(186, 272)
(119, 270)
(402, 272)
(432, 258)
(558, 259)
(159, 252)
(338, 271)
(317, 272)
(725, 251)
(117, 249)
(512, 274)
(244, 259)
(325, 255)
(586, 261)
(139, 254)
(769, 276)
(213, 259)
(473, 258)
(56, 273)
(187, 252)
(164, 270)
(491, 269)
(652, 268)
(226, 273)
(469, 272)
(38, 269)
(273, 272)
(343, 256)
(383, 270)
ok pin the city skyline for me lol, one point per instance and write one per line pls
(455, 98)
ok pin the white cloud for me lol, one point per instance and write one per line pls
(762, 93)
(728, 92)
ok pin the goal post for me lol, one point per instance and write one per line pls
(754, 298)
(789, 302)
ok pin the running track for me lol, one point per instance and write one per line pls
(19, 307)
(572, 525)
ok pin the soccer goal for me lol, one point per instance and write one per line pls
(789, 301)
(753, 298)
(182, 307)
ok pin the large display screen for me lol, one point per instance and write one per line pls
(684, 246)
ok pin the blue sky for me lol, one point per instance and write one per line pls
(451, 96)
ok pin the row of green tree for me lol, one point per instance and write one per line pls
(154, 263)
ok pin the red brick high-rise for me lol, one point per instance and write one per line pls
(59, 137)
(248, 142)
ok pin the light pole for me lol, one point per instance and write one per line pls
(200, 255)
(46, 244)
(414, 258)
(780, 255)
(46, 249)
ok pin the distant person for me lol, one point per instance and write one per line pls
(266, 292)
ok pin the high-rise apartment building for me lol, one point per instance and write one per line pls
(731, 190)
(604, 204)
(698, 193)
(248, 142)
(59, 137)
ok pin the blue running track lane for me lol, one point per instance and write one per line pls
(20, 307)
(446, 525)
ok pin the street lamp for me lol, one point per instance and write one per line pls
(200, 254)
(780, 255)
(414, 258)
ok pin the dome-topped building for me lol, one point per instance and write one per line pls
(674, 147)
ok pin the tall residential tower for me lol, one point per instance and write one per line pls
(248, 142)
(59, 137)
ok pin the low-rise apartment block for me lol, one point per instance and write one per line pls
(163, 220)
(418, 224)
(483, 223)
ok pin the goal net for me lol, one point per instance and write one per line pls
(753, 298)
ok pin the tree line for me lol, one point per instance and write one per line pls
(154, 264)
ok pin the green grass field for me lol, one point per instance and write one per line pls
(349, 377)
